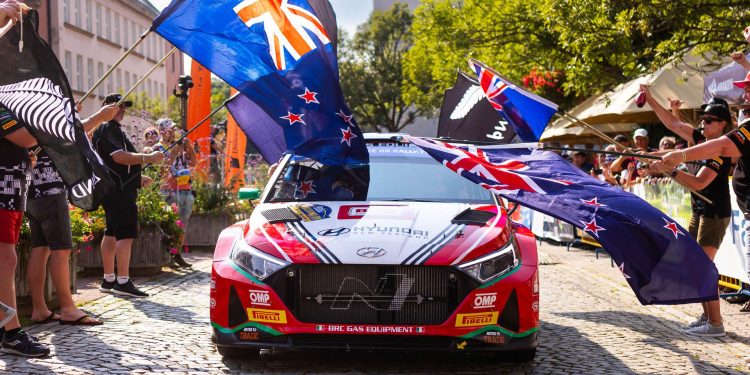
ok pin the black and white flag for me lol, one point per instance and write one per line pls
(34, 87)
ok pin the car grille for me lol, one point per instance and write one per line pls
(371, 294)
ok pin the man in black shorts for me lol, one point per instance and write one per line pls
(121, 212)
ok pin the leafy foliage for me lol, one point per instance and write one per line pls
(370, 64)
(213, 198)
(590, 45)
(153, 210)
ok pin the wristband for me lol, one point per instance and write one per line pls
(673, 174)
(143, 159)
(684, 157)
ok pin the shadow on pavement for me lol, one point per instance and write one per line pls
(170, 313)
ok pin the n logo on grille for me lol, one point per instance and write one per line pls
(353, 290)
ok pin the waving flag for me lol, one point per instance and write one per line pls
(658, 258)
(279, 55)
(34, 87)
(527, 113)
(262, 130)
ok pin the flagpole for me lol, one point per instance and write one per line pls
(112, 69)
(609, 139)
(146, 75)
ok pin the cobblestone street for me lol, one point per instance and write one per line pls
(591, 324)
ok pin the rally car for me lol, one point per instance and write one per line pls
(401, 253)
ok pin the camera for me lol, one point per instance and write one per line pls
(184, 83)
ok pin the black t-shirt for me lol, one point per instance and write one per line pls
(717, 190)
(740, 179)
(45, 180)
(15, 166)
(108, 140)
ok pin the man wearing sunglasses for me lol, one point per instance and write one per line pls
(733, 144)
(709, 222)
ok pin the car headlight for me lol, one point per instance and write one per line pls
(254, 261)
(494, 264)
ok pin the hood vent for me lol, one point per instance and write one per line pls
(509, 316)
(237, 314)
(473, 217)
(280, 215)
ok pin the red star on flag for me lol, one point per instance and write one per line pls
(672, 226)
(622, 269)
(592, 227)
(309, 96)
(305, 188)
(594, 202)
(347, 135)
(347, 119)
(293, 118)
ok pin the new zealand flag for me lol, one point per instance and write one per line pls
(279, 55)
(658, 258)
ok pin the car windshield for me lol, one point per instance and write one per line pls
(397, 172)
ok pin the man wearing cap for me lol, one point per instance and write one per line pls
(121, 212)
(708, 222)
(734, 144)
(579, 160)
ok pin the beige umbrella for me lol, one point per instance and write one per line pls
(578, 134)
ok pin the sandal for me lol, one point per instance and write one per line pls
(51, 318)
(745, 307)
(85, 320)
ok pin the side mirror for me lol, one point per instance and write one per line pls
(248, 194)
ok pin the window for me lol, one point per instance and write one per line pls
(101, 74)
(171, 60)
(90, 71)
(163, 91)
(108, 24)
(79, 72)
(148, 87)
(134, 31)
(110, 82)
(135, 80)
(68, 65)
(99, 19)
(66, 12)
(127, 79)
(119, 80)
(77, 13)
(117, 28)
(88, 16)
(125, 33)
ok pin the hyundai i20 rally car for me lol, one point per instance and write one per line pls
(401, 253)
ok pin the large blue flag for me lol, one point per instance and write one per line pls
(279, 55)
(658, 258)
(262, 130)
(527, 113)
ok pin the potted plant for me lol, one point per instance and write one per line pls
(216, 207)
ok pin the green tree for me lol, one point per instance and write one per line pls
(370, 65)
(219, 93)
(586, 46)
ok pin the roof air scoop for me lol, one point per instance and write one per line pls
(473, 217)
(280, 215)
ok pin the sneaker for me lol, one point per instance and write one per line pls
(24, 344)
(173, 263)
(698, 322)
(128, 289)
(179, 260)
(707, 330)
(106, 286)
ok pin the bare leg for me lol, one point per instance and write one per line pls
(123, 249)
(8, 280)
(37, 276)
(108, 254)
(712, 309)
(60, 272)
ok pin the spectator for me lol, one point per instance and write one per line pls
(667, 143)
(579, 160)
(49, 220)
(640, 139)
(121, 212)
(150, 139)
(604, 172)
(177, 187)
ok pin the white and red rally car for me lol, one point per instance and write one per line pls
(398, 254)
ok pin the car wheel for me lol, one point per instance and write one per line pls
(517, 356)
(238, 353)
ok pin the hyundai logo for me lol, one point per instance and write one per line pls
(334, 232)
(371, 252)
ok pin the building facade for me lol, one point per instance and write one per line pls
(89, 36)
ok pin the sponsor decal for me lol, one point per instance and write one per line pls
(535, 306)
(212, 303)
(494, 338)
(476, 319)
(266, 316)
(213, 284)
(334, 232)
(739, 137)
(9, 125)
(744, 132)
(371, 252)
(245, 336)
(250, 329)
(260, 297)
(461, 346)
(373, 212)
(390, 231)
(350, 328)
(485, 300)
(311, 212)
(354, 291)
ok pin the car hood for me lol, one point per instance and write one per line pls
(374, 233)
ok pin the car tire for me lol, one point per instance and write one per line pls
(238, 353)
(517, 356)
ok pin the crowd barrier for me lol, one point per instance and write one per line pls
(673, 200)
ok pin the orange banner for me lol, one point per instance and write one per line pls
(234, 162)
(199, 106)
